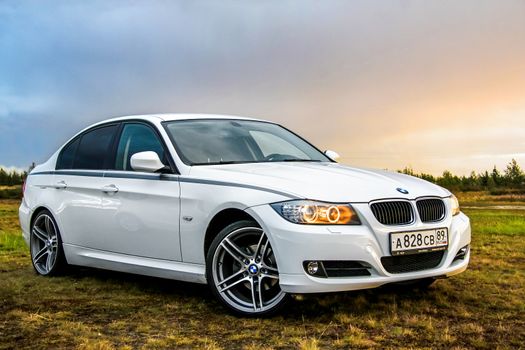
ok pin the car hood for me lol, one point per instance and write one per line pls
(321, 180)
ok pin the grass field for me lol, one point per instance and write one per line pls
(10, 192)
(91, 309)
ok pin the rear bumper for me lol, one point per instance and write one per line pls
(24, 216)
(295, 244)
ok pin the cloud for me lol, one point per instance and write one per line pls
(375, 81)
(505, 156)
(12, 168)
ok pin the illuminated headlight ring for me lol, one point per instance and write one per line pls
(317, 213)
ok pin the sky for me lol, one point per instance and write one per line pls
(433, 85)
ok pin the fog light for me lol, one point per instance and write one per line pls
(462, 253)
(312, 267)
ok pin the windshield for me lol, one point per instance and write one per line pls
(229, 141)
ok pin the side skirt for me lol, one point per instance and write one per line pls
(176, 270)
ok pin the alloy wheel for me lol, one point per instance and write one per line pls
(44, 244)
(245, 272)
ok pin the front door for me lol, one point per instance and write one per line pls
(140, 211)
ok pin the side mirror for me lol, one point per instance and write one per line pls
(147, 161)
(332, 155)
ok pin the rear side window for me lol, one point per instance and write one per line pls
(67, 156)
(94, 148)
(137, 138)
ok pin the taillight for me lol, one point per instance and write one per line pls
(24, 187)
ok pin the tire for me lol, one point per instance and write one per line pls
(45, 245)
(242, 271)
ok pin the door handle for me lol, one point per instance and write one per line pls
(60, 185)
(109, 189)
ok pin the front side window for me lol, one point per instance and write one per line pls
(136, 138)
(94, 147)
(223, 141)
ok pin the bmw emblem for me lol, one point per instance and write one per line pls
(253, 269)
(401, 190)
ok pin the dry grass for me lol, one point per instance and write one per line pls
(92, 309)
(485, 198)
(5, 187)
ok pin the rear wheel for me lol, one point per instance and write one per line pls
(45, 245)
(242, 270)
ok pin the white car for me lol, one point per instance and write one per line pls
(244, 205)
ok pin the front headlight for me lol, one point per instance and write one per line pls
(454, 205)
(317, 213)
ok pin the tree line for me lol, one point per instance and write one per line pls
(12, 178)
(511, 177)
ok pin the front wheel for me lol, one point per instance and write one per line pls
(242, 271)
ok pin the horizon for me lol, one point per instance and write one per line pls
(430, 85)
(415, 172)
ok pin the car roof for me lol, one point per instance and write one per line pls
(178, 116)
(163, 117)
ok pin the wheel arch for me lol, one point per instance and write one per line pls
(61, 258)
(37, 211)
(222, 219)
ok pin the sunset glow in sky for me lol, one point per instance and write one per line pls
(435, 85)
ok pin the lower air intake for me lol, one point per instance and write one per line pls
(413, 262)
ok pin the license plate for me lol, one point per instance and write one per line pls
(414, 242)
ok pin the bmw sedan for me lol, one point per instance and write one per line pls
(244, 205)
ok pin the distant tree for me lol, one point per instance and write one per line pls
(427, 177)
(490, 183)
(496, 177)
(407, 171)
(448, 180)
(483, 179)
(513, 174)
(3, 177)
(473, 180)
(446, 175)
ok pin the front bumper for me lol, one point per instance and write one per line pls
(367, 243)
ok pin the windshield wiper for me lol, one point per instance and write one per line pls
(217, 163)
(297, 160)
(255, 161)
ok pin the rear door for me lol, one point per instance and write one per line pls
(79, 179)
